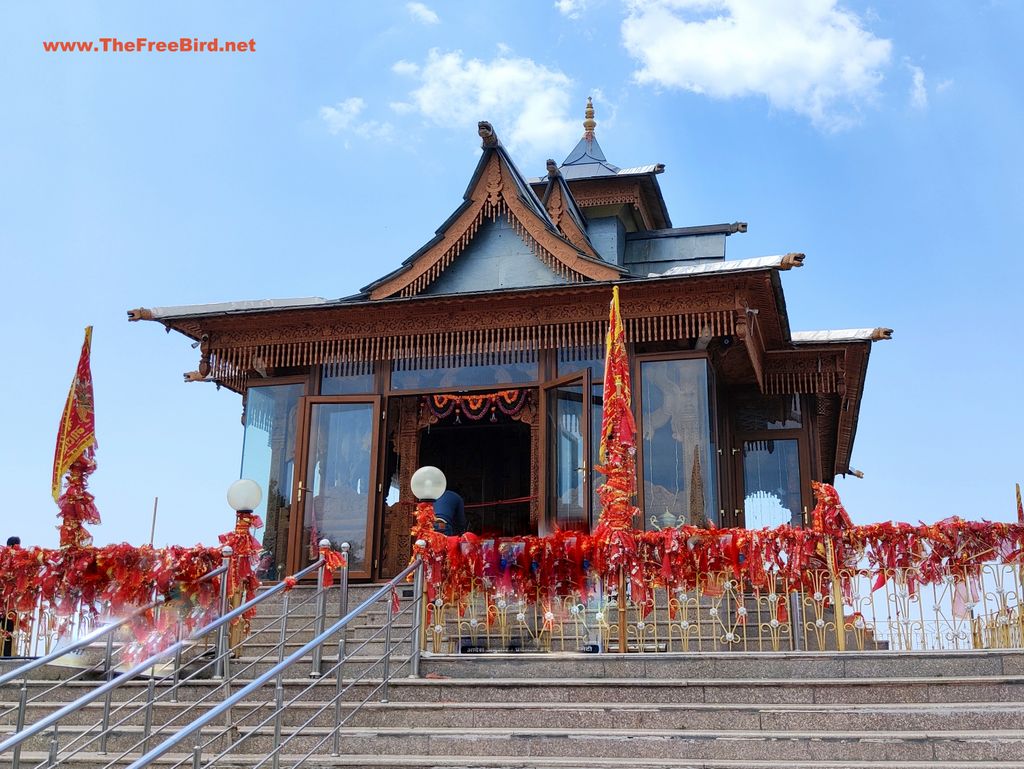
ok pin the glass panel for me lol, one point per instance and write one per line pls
(352, 382)
(771, 483)
(577, 359)
(568, 478)
(463, 376)
(338, 490)
(679, 472)
(268, 457)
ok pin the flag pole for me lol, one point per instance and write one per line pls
(152, 529)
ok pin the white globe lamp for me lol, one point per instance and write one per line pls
(428, 483)
(244, 495)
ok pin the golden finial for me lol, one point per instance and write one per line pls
(589, 124)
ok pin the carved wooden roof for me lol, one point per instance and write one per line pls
(496, 189)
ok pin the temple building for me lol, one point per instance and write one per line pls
(482, 354)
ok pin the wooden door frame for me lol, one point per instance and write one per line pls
(583, 378)
(638, 411)
(302, 433)
(799, 434)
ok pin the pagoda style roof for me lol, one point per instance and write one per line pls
(548, 228)
(496, 189)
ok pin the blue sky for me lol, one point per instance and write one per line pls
(881, 140)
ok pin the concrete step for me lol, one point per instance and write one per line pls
(624, 744)
(767, 665)
(643, 715)
(370, 761)
(934, 689)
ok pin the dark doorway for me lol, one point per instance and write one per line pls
(489, 465)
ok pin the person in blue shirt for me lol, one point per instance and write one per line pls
(450, 514)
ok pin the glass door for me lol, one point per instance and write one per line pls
(335, 495)
(772, 490)
(567, 408)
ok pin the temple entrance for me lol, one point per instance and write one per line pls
(487, 445)
(489, 466)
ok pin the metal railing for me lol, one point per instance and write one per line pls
(264, 716)
(835, 608)
(168, 672)
(113, 656)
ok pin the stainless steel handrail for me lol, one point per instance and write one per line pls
(274, 672)
(40, 726)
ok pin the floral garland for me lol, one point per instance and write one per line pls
(563, 564)
(478, 405)
(84, 579)
(77, 505)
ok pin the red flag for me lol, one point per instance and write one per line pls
(617, 423)
(1020, 508)
(618, 446)
(77, 431)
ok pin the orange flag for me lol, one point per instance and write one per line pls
(77, 431)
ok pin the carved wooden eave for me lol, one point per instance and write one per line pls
(498, 191)
(835, 374)
(558, 202)
(456, 329)
(638, 192)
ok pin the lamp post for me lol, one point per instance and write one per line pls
(428, 483)
(244, 496)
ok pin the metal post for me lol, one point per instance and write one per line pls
(220, 666)
(321, 611)
(176, 674)
(837, 594)
(54, 747)
(279, 708)
(796, 620)
(197, 757)
(387, 647)
(622, 611)
(337, 695)
(343, 582)
(282, 636)
(147, 727)
(343, 597)
(110, 693)
(22, 707)
(417, 617)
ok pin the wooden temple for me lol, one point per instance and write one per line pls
(482, 354)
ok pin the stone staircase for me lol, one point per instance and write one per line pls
(711, 710)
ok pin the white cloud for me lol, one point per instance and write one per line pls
(422, 13)
(401, 107)
(343, 115)
(811, 57)
(571, 9)
(403, 67)
(943, 85)
(527, 103)
(343, 118)
(918, 91)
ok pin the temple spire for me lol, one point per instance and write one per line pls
(589, 124)
(587, 157)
